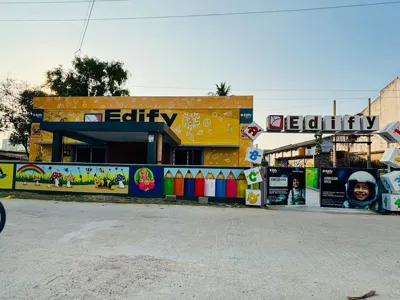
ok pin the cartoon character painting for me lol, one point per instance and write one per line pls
(252, 198)
(102, 183)
(144, 179)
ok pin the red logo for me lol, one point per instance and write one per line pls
(275, 122)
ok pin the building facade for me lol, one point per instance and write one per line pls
(387, 106)
(164, 130)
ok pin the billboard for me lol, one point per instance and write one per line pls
(286, 186)
(349, 188)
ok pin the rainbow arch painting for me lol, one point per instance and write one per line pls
(31, 168)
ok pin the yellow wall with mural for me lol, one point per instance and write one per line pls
(200, 121)
(6, 176)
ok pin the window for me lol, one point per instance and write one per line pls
(188, 156)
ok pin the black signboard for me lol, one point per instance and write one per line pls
(349, 188)
(37, 115)
(286, 186)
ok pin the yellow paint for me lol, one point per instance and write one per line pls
(7, 176)
(201, 121)
(221, 157)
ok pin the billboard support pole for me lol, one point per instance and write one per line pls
(369, 138)
(334, 137)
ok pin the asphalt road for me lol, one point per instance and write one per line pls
(120, 251)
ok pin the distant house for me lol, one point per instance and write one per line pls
(13, 155)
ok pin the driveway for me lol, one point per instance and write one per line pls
(119, 251)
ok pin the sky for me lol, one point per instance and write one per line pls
(292, 63)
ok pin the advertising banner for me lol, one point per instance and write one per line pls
(349, 188)
(72, 178)
(286, 186)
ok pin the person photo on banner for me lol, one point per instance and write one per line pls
(361, 191)
(297, 192)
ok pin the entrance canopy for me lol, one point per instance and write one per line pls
(101, 133)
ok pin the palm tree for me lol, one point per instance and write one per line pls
(222, 90)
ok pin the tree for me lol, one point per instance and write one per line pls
(318, 143)
(89, 77)
(222, 90)
(16, 103)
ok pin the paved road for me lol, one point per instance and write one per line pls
(93, 251)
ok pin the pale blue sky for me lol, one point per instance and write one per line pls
(355, 48)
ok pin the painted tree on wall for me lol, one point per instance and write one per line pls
(89, 77)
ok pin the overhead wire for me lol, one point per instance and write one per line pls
(85, 26)
(56, 2)
(261, 12)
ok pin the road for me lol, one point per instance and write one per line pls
(120, 251)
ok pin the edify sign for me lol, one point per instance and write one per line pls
(312, 123)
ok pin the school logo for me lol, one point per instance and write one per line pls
(246, 115)
(139, 115)
(275, 122)
(93, 117)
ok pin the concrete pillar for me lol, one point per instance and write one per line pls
(57, 147)
(159, 148)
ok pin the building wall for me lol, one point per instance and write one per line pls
(199, 121)
(387, 106)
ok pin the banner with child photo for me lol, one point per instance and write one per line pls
(350, 188)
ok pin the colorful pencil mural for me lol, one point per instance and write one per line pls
(72, 178)
(198, 182)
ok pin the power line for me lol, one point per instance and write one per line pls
(57, 2)
(262, 12)
(257, 89)
(85, 26)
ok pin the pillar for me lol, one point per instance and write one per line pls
(159, 148)
(151, 148)
(57, 147)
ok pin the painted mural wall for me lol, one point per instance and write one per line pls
(295, 163)
(6, 176)
(196, 120)
(72, 178)
(199, 182)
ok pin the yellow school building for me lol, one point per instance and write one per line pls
(138, 130)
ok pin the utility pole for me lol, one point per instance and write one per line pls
(334, 137)
(369, 138)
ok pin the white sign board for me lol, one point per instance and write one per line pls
(391, 132)
(325, 124)
(391, 157)
(391, 181)
(254, 155)
(391, 202)
(278, 182)
(253, 130)
(253, 176)
(253, 197)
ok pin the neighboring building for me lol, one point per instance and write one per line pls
(6, 146)
(164, 130)
(13, 155)
(387, 106)
(299, 155)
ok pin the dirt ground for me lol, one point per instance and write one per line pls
(64, 251)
